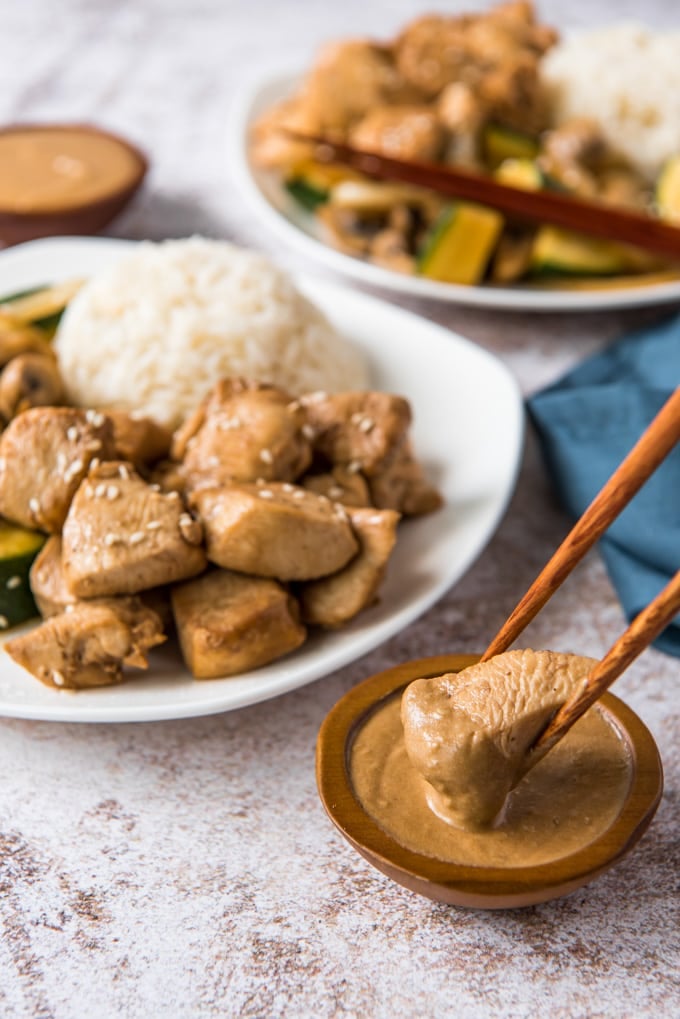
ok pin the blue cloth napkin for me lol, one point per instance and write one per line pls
(587, 423)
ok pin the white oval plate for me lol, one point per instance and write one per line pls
(468, 430)
(270, 201)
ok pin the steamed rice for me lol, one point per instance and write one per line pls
(627, 78)
(158, 329)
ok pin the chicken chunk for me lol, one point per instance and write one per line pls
(401, 485)
(229, 623)
(469, 734)
(141, 440)
(44, 455)
(403, 132)
(243, 431)
(348, 79)
(333, 601)
(361, 431)
(121, 536)
(275, 530)
(89, 644)
(339, 485)
(48, 585)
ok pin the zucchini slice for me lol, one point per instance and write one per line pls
(500, 143)
(564, 253)
(18, 549)
(306, 194)
(520, 173)
(461, 244)
(668, 191)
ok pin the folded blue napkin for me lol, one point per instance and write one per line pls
(587, 423)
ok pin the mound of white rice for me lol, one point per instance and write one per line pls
(156, 331)
(628, 79)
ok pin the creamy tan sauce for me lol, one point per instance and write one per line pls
(51, 169)
(565, 802)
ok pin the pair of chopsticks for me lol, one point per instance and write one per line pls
(595, 218)
(655, 444)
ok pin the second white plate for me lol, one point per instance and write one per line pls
(270, 202)
(468, 431)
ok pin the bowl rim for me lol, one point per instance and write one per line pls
(78, 207)
(486, 887)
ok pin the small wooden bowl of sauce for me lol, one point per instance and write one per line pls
(493, 873)
(63, 179)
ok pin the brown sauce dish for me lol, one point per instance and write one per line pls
(63, 179)
(478, 886)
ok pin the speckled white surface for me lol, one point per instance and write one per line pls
(187, 869)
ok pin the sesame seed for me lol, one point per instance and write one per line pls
(136, 537)
(93, 446)
(94, 463)
(376, 518)
(335, 492)
(94, 418)
(111, 539)
(213, 461)
(316, 397)
(353, 467)
(155, 487)
(4, 622)
(266, 456)
(356, 418)
(62, 461)
(34, 506)
(123, 472)
(13, 582)
(72, 433)
(89, 491)
(112, 492)
(174, 496)
(308, 432)
(69, 608)
(287, 487)
(57, 678)
(185, 519)
(367, 425)
(76, 465)
(299, 494)
(153, 525)
(265, 493)
(100, 490)
(293, 406)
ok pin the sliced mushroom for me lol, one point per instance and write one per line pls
(29, 380)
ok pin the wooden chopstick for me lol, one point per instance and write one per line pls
(655, 443)
(563, 210)
(639, 635)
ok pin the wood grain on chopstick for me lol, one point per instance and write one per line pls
(594, 218)
(639, 635)
(656, 442)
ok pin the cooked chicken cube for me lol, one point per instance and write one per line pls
(121, 536)
(89, 644)
(403, 132)
(243, 431)
(48, 586)
(350, 78)
(229, 623)
(275, 530)
(333, 601)
(339, 485)
(44, 455)
(141, 440)
(361, 431)
(402, 486)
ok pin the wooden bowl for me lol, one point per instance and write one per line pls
(455, 884)
(77, 218)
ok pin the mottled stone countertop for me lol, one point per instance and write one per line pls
(187, 869)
